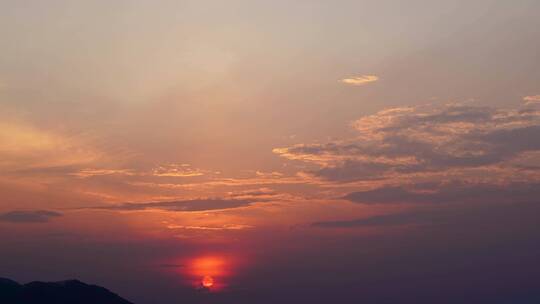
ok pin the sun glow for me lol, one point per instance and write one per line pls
(207, 281)
(209, 271)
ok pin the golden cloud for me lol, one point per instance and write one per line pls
(83, 173)
(177, 170)
(24, 146)
(360, 80)
(212, 228)
(534, 99)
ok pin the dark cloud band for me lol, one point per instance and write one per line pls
(182, 205)
(35, 216)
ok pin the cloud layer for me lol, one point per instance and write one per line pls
(181, 205)
(35, 216)
(426, 139)
(450, 193)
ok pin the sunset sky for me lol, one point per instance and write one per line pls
(273, 151)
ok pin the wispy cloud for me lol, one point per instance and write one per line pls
(259, 180)
(23, 146)
(360, 80)
(452, 216)
(33, 216)
(168, 170)
(212, 228)
(181, 205)
(261, 193)
(177, 170)
(380, 220)
(534, 99)
(449, 193)
(84, 173)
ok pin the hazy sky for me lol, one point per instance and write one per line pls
(291, 150)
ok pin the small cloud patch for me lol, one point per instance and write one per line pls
(360, 80)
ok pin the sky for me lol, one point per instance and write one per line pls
(273, 151)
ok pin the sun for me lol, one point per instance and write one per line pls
(207, 272)
(207, 281)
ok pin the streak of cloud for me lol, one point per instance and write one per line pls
(450, 193)
(360, 80)
(534, 99)
(211, 228)
(180, 206)
(177, 170)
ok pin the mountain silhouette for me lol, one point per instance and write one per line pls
(65, 292)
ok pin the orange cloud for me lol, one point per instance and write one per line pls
(23, 146)
(211, 228)
(534, 99)
(100, 172)
(177, 170)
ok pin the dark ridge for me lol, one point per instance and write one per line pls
(9, 291)
(64, 292)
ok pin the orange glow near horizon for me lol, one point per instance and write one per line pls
(208, 271)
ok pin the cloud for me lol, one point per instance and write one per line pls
(450, 193)
(35, 216)
(259, 179)
(453, 216)
(255, 194)
(177, 170)
(534, 99)
(23, 146)
(84, 173)
(172, 265)
(169, 170)
(380, 220)
(181, 205)
(212, 228)
(360, 80)
(445, 140)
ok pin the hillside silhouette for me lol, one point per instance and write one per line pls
(64, 292)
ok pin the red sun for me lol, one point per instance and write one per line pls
(207, 281)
